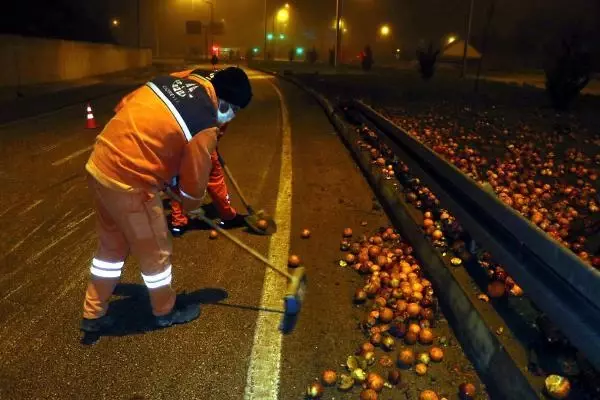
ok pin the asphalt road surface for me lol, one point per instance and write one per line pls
(289, 162)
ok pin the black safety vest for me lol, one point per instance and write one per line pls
(188, 101)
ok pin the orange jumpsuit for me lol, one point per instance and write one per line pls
(164, 129)
(216, 189)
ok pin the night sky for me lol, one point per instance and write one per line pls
(524, 22)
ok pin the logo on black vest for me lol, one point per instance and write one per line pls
(184, 89)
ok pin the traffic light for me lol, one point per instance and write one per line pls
(281, 36)
(269, 36)
(299, 51)
(255, 50)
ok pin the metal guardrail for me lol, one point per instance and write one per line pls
(560, 284)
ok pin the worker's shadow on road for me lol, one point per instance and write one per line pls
(132, 314)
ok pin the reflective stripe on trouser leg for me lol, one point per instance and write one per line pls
(105, 276)
(158, 280)
(106, 269)
(162, 296)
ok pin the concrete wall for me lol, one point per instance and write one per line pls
(26, 61)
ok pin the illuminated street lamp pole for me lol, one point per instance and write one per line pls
(265, 48)
(338, 33)
(464, 66)
(281, 17)
(212, 12)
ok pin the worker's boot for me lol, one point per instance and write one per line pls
(179, 315)
(96, 325)
(178, 230)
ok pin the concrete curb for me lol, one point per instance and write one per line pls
(503, 370)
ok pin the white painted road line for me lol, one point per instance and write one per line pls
(31, 207)
(56, 241)
(265, 361)
(31, 233)
(72, 155)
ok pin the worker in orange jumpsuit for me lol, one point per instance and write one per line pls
(167, 128)
(217, 190)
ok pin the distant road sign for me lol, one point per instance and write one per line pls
(193, 27)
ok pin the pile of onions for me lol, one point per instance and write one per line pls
(552, 185)
(440, 226)
(398, 303)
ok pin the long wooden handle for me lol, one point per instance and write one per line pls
(235, 240)
(244, 246)
(235, 184)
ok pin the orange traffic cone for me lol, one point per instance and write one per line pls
(91, 121)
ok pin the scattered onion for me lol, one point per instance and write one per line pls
(496, 289)
(368, 394)
(314, 390)
(421, 369)
(426, 336)
(436, 354)
(410, 338)
(413, 310)
(375, 381)
(406, 357)
(428, 395)
(294, 261)
(467, 391)
(394, 376)
(424, 358)
(329, 377)
(386, 315)
(557, 387)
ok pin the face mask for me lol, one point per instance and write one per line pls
(225, 113)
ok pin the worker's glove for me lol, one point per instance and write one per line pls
(236, 222)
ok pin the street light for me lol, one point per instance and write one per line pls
(384, 30)
(283, 14)
(342, 24)
(451, 39)
(115, 22)
(212, 11)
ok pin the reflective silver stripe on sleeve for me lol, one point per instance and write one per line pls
(173, 110)
(187, 196)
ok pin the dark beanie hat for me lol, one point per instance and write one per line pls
(232, 85)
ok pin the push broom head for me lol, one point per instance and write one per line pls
(292, 302)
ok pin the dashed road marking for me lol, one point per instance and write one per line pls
(31, 207)
(56, 241)
(72, 155)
